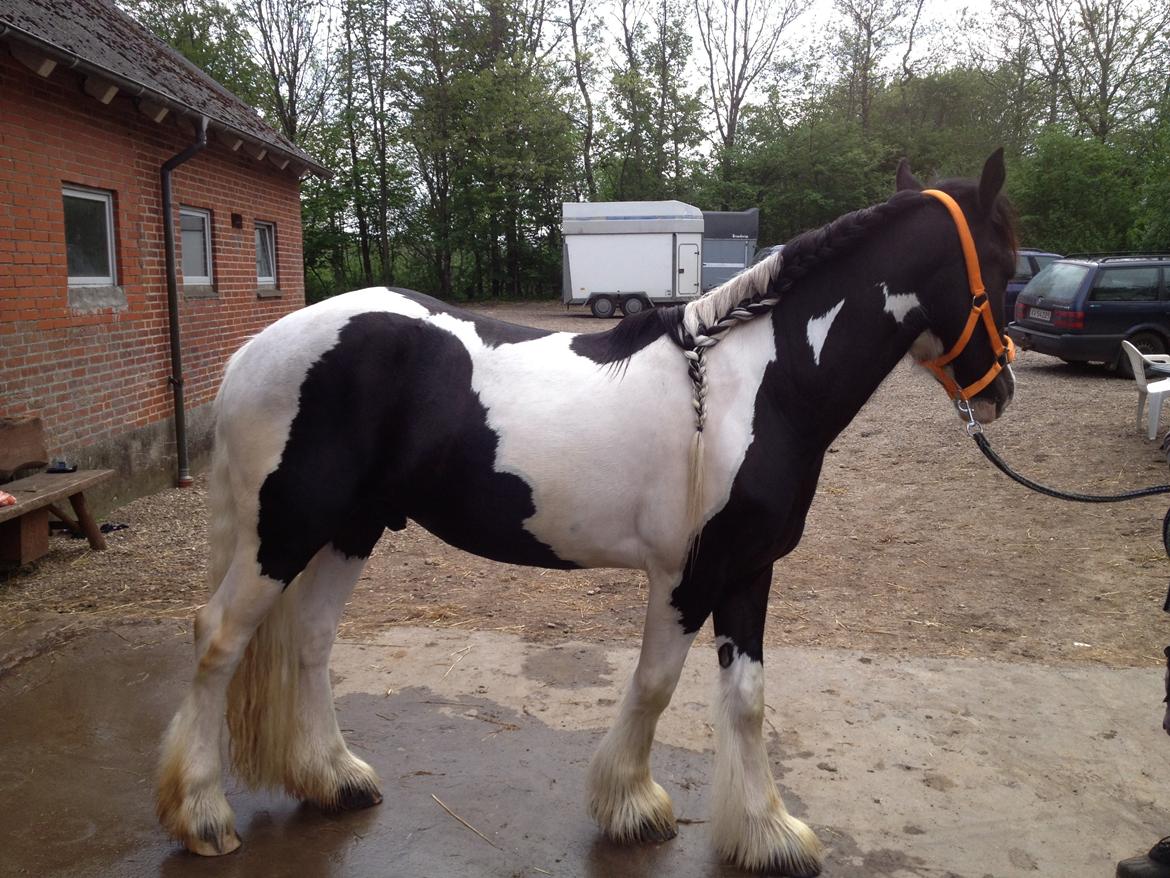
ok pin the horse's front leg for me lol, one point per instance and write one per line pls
(623, 798)
(751, 827)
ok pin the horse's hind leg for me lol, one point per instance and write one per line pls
(321, 769)
(191, 803)
(751, 826)
(623, 798)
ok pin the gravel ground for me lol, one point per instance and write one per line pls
(914, 545)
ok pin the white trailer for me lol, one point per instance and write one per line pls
(630, 254)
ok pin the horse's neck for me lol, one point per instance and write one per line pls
(837, 340)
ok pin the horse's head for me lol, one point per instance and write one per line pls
(965, 347)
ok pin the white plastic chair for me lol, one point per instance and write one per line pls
(1155, 390)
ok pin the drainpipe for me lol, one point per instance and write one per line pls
(184, 479)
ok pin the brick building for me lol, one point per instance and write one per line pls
(91, 108)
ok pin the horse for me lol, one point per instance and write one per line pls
(354, 414)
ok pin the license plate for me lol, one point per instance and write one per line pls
(1040, 314)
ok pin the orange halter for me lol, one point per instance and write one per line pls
(1002, 346)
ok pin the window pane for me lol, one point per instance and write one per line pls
(1126, 285)
(194, 229)
(1059, 282)
(264, 253)
(1023, 268)
(87, 244)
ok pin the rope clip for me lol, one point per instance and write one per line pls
(965, 411)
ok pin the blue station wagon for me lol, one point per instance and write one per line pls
(1080, 309)
(1028, 264)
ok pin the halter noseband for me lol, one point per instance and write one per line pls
(1002, 346)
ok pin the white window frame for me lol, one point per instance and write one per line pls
(271, 252)
(106, 198)
(205, 215)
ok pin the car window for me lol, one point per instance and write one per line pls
(1042, 261)
(1023, 268)
(1126, 285)
(1058, 282)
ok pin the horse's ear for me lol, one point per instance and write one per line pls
(991, 181)
(905, 179)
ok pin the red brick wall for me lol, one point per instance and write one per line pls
(94, 377)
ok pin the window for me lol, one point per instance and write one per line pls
(89, 237)
(1059, 282)
(195, 226)
(1126, 285)
(1023, 268)
(266, 253)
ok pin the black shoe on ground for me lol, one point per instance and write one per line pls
(1155, 864)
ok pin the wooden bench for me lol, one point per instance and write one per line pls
(24, 528)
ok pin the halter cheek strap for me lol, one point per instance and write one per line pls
(1002, 346)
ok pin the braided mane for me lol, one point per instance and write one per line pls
(777, 274)
(707, 320)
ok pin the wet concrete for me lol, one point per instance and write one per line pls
(905, 768)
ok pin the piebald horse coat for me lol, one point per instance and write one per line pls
(557, 450)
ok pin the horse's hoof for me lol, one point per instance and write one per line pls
(211, 843)
(789, 869)
(355, 798)
(771, 844)
(655, 833)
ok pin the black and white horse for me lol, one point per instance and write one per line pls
(355, 414)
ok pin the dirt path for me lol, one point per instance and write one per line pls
(914, 545)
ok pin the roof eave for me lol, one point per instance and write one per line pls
(297, 163)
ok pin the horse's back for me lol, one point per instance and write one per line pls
(503, 440)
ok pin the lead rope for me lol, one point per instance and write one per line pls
(975, 431)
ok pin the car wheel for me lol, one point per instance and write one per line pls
(633, 306)
(602, 307)
(1147, 343)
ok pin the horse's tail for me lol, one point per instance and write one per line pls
(221, 514)
(262, 700)
(261, 709)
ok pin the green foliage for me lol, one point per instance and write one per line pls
(652, 122)
(209, 33)
(1151, 228)
(455, 128)
(1073, 195)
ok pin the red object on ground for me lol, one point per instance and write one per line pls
(7, 499)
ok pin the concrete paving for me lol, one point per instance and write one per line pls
(904, 767)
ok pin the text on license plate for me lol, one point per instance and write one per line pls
(1040, 314)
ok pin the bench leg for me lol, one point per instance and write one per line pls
(92, 532)
(26, 538)
(74, 527)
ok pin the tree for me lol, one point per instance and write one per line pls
(653, 120)
(520, 147)
(1005, 60)
(1151, 228)
(369, 72)
(584, 72)
(871, 29)
(209, 33)
(426, 95)
(739, 39)
(947, 121)
(1074, 195)
(1106, 60)
(292, 40)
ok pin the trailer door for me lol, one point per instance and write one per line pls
(687, 284)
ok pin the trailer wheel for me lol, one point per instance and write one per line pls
(602, 306)
(633, 305)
